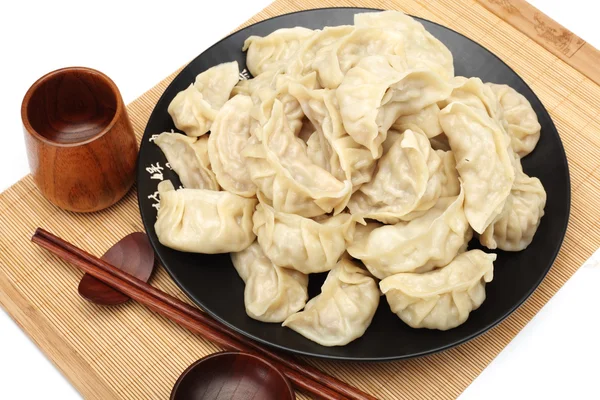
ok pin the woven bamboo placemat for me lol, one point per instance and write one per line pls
(127, 352)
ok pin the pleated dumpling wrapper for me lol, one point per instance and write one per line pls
(188, 157)
(426, 242)
(203, 221)
(426, 120)
(343, 310)
(229, 134)
(523, 125)
(274, 50)
(408, 180)
(282, 171)
(443, 298)
(307, 245)
(272, 293)
(483, 160)
(332, 62)
(421, 48)
(514, 228)
(379, 90)
(194, 109)
(330, 146)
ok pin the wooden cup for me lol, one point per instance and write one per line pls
(80, 143)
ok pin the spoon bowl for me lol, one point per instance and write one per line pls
(232, 376)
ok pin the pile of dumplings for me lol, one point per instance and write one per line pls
(353, 150)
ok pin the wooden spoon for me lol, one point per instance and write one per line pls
(232, 376)
(132, 254)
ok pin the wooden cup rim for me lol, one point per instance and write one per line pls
(63, 71)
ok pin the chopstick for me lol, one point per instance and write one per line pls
(302, 375)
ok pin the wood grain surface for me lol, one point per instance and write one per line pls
(303, 376)
(549, 34)
(80, 143)
(232, 376)
(134, 255)
(126, 352)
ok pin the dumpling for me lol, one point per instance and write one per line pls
(514, 228)
(280, 90)
(390, 139)
(426, 119)
(415, 91)
(203, 221)
(304, 244)
(332, 62)
(275, 49)
(343, 310)
(272, 293)
(474, 93)
(254, 86)
(194, 108)
(188, 157)
(302, 63)
(429, 241)
(408, 178)
(360, 96)
(449, 175)
(375, 93)
(216, 83)
(441, 299)
(191, 113)
(230, 133)
(339, 153)
(482, 152)
(285, 175)
(316, 152)
(422, 50)
(523, 126)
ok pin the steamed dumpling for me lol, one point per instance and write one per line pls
(304, 244)
(408, 178)
(429, 241)
(189, 158)
(230, 133)
(203, 221)
(191, 113)
(482, 151)
(216, 83)
(285, 175)
(441, 299)
(343, 310)
(194, 109)
(514, 228)
(523, 126)
(338, 152)
(375, 93)
(280, 90)
(332, 62)
(272, 293)
(426, 119)
(422, 50)
(475, 94)
(302, 62)
(274, 50)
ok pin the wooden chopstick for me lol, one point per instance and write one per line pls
(302, 375)
(180, 318)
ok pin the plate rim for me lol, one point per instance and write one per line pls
(438, 349)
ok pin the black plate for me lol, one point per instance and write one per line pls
(212, 282)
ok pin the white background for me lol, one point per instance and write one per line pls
(554, 357)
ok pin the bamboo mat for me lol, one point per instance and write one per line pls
(126, 352)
